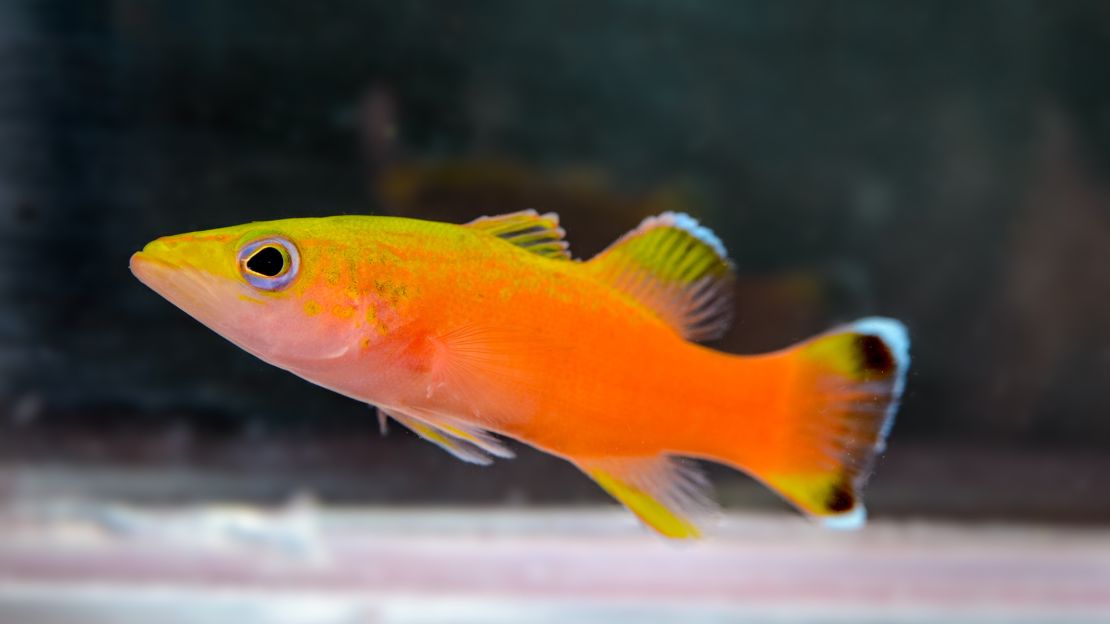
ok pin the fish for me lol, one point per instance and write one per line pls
(476, 333)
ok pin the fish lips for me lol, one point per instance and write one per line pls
(204, 296)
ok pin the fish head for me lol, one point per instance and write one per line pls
(281, 290)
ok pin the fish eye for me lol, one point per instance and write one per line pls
(267, 261)
(269, 264)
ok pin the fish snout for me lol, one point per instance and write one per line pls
(168, 251)
(154, 253)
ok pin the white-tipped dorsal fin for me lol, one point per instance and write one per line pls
(669, 494)
(537, 233)
(678, 269)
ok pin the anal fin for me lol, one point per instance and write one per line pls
(670, 495)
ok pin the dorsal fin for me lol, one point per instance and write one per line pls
(538, 233)
(678, 269)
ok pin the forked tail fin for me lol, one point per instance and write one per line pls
(832, 403)
(839, 406)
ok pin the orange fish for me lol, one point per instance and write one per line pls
(468, 332)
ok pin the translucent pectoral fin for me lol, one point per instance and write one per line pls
(470, 444)
(668, 494)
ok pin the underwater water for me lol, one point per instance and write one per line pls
(945, 164)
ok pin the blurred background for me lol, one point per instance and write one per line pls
(944, 163)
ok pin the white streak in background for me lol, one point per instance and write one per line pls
(291, 530)
(424, 566)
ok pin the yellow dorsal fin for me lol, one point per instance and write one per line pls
(678, 269)
(537, 233)
(669, 495)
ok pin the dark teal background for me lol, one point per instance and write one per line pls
(945, 163)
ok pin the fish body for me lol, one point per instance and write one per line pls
(468, 332)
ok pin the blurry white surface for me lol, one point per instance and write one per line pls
(82, 563)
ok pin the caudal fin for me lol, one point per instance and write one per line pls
(815, 446)
(835, 417)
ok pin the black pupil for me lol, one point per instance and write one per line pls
(267, 261)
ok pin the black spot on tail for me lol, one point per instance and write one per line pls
(841, 498)
(875, 356)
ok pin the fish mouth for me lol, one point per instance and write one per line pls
(157, 251)
(153, 270)
(182, 284)
(152, 261)
(142, 263)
